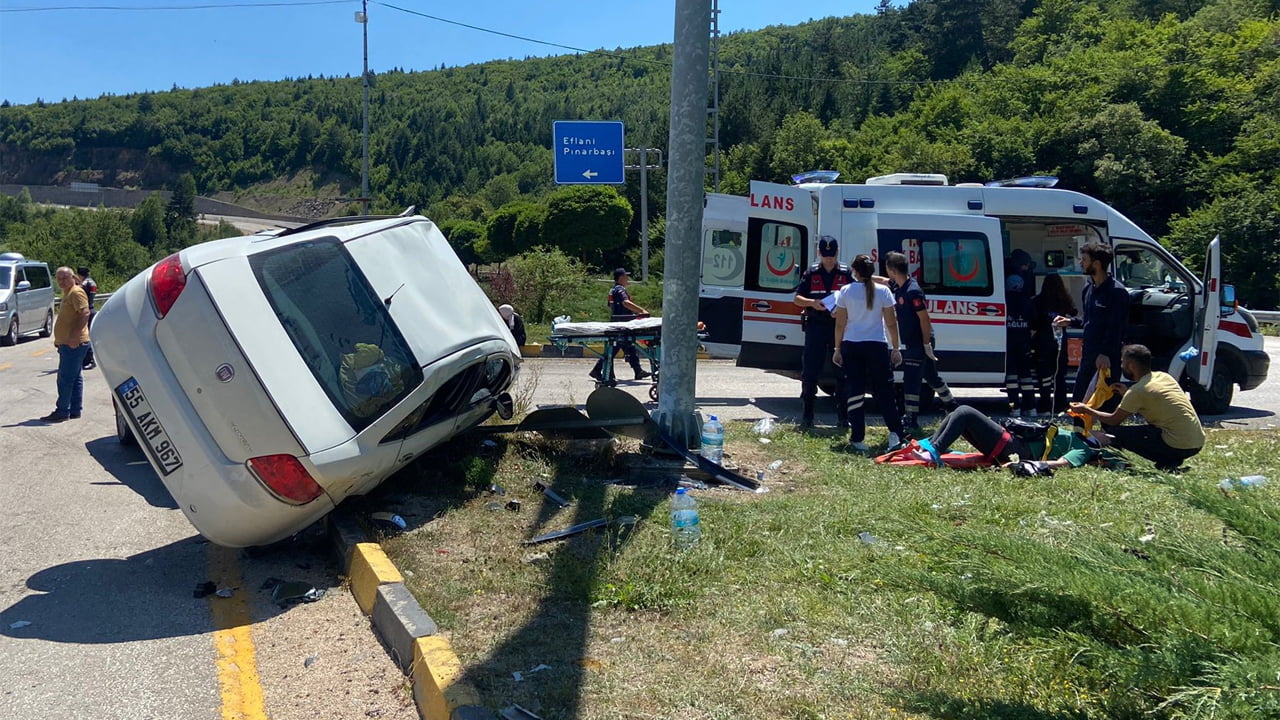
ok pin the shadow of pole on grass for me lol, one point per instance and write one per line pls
(558, 632)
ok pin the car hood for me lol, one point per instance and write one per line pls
(431, 296)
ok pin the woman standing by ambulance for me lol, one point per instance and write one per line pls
(866, 344)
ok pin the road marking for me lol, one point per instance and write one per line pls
(38, 353)
(6, 366)
(237, 663)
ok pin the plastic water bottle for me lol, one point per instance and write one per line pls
(1248, 482)
(713, 440)
(1189, 354)
(684, 520)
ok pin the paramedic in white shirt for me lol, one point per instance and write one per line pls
(864, 317)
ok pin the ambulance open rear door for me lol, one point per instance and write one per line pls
(780, 241)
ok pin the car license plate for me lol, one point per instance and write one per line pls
(149, 428)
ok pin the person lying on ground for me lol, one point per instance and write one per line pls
(1172, 433)
(999, 446)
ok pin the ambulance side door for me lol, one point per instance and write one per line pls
(723, 269)
(780, 220)
(959, 262)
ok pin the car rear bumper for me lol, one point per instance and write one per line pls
(220, 497)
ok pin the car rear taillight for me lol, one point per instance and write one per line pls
(167, 281)
(286, 477)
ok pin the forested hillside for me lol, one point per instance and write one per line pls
(1167, 109)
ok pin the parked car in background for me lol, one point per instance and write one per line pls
(26, 298)
(268, 377)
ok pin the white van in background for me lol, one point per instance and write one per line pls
(956, 239)
(26, 298)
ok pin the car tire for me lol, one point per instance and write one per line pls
(47, 329)
(1215, 400)
(10, 337)
(124, 433)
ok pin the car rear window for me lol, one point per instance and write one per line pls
(340, 327)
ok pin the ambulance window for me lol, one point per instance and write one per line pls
(724, 260)
(944, 262)
(775, 255)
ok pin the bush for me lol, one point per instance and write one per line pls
(545, 278)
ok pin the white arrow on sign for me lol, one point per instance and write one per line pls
(589, 174)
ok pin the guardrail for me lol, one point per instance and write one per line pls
(1266, 317)
(98, 299)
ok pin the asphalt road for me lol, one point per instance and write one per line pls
(735, 394)
(97, 572)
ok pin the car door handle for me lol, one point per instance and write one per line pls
(762, 306)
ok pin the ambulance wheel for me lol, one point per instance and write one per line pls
(1216, 400)
(653, 392)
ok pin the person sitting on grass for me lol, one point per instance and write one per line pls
(999, 446)
(1172, 433)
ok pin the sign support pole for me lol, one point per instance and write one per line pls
(644, 167)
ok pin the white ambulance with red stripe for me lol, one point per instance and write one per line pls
(956, 238)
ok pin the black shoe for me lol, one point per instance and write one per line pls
(842, 423)
(55, 417)
(595, 373)
(74, 416)
(89, 366)
(643, 374)
(806, 422)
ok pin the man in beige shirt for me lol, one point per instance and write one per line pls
(71, 337)
(1173, 432)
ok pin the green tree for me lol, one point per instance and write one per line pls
(514, 227)
(180, 213)
(462, 236)
(148, 223)
(1247, 218)
(587, 221)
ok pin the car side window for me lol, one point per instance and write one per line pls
(1139, 268)
(38, 277)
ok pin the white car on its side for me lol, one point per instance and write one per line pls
(268, 377)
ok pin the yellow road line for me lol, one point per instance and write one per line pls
(6, 366)
(237, 664)
(38, 353)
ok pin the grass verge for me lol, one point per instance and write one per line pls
(1092, 594)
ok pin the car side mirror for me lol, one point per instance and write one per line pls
(1228, 299)
(23, 285)
(505, 406)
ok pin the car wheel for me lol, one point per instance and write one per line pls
(1217, 398)
(124, 433)
(47, 329)
(11, 337)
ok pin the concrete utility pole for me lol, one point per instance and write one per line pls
(362, 17)
(687, 145)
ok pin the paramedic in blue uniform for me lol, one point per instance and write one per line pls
(820, 280)
(622, 309)
(914, 325)
(1105, 319)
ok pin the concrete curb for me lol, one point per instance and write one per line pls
(408, 632)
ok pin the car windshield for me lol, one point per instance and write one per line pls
(340, 327)
(6, 275)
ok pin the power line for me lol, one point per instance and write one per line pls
(207, 6)
(629, 58)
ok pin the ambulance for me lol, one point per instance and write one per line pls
(956, 238)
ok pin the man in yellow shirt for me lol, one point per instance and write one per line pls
(71, 337)
(1173, 432)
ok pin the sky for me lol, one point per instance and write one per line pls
(61, 49)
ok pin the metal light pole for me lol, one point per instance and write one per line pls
(362, 17)
(643, 166)
(687, 145)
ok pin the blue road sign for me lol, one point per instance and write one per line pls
(588, 152)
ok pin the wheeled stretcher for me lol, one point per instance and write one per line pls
(645, 334)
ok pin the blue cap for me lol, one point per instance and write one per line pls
(828, 246)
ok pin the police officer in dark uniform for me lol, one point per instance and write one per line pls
(820, 280)
(1105, 321)
(622, 309)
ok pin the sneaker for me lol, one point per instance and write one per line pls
(643, 374)
(895, 442)
(595, 373)
(55, 417)
(859, 448)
